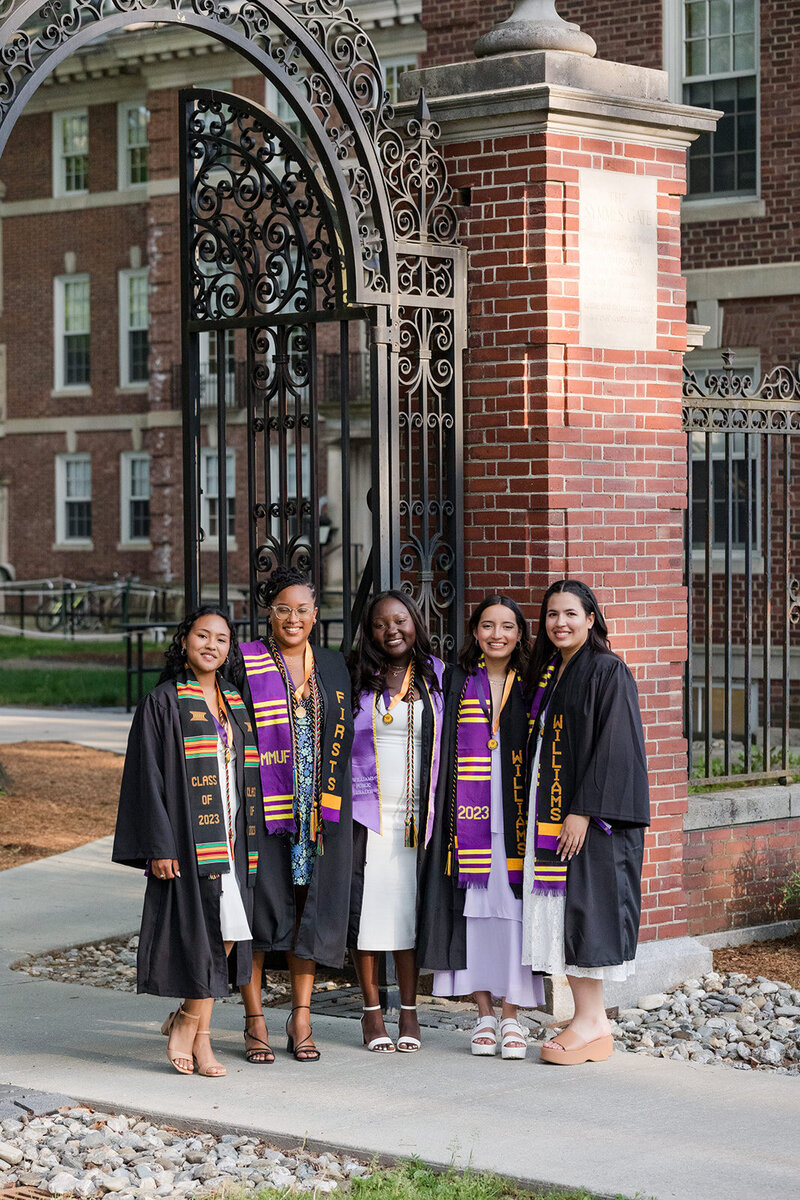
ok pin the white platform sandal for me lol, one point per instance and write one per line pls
(382, 1044)
(486, 1027)
(512, 1031)
(407, 1044)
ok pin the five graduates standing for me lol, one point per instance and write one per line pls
(485, 821)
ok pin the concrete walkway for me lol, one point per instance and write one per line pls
(670, 1130)
(100, 728)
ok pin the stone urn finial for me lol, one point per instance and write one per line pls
(535, 25)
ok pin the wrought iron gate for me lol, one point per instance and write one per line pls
(742, 687)
(368, 234)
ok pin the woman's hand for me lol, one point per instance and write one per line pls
(573, 835)
(165, 868)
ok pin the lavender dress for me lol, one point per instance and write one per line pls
(494, 928)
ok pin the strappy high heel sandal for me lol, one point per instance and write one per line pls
(263, 1056)
(382, 1044)
(407, 1044)
(301, 1051)
(166, 1029)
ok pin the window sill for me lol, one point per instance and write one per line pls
(718, 562)
(66, 393)
(128, 389)
(78, 544)
(135, 545)
(735, 209)
(213, 544)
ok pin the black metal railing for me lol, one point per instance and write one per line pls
(742, 685)
(236, 381)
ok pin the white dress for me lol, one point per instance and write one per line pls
(233, 922)
(543, 915)
(389, 905)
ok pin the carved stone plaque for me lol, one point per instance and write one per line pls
(618, 248)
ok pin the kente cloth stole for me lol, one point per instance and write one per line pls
(274, 736)
(549, 872)
(366, 775)
(205, 787)
(473, 785)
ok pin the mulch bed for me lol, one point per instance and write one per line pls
(779, 960)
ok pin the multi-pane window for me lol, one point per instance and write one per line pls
(132, 142)
(393, 68)
(209, 483)
(720, 70)
(745, 491)
(135, 500)
(70, 152)
(209, 368)
(73, 498)
(72, 338)
(134, 320)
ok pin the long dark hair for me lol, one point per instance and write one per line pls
(543, 648)
(367, 664)
(470, 653)
(175, 657)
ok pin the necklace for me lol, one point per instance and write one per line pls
(390, 701)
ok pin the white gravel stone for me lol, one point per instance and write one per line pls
(651, 1003)
(10, 1154)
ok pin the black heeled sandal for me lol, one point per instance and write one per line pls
(308, 1053)
(266, 1054)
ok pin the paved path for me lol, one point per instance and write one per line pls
(671, 1130)
(100, 728)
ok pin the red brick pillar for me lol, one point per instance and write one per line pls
(568, 173)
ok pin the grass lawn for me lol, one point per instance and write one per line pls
(415, 1181)
(92, 674)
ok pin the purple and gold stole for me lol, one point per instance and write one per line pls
(549, 873)
(274, 736)
(198, 728)
(473, 785)
(366, 776)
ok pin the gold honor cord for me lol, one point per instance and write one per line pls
(223, 720)
(492, 743)
(308, 665)
(398, 696)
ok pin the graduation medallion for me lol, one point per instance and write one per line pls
(492, 743)
(300, 712)
(387, 718)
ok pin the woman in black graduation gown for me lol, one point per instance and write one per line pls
(191, 759)
(589, 806)
(299, 701)
(470, 915)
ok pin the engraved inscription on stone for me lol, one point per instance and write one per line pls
(618, 247)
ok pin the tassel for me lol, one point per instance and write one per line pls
(320, 845)
(449, 868)
(314, 823)
(410, 833)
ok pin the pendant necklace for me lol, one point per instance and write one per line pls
(391, 702)
(308, 667)
(494, 725)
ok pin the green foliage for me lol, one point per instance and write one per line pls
(756, 764)
(51, 687)
(791, 893)
(70, 650)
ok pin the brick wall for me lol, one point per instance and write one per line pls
(734, 875)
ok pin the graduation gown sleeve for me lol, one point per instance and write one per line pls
(143, 828)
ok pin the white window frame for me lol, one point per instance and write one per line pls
(393, 68)
(59, 173)
(60, 284)
(124, 181)
(718, 207)
(127, 459)
(125, 329)
(275, 103)
(62, 540)
(208, 369)
(209, 454)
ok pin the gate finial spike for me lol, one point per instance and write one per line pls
(422, 112)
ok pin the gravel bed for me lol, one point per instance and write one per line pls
(751, 1024)
(112, 964)
(79, 1152)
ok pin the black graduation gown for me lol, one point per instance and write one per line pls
(604, 775)
(441, 925)
(360, 831)
(181, 952)
(322, 936)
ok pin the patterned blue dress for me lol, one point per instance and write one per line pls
(304, 851)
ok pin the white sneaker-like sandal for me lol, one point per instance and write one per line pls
(407, 1044)
(512, 1031)
(382, 1044)
(486, 1027)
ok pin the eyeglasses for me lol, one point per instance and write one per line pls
(282, 611)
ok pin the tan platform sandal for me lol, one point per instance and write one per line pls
(576, 1051)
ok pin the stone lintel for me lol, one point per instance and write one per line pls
(498, 94)
(741, 806)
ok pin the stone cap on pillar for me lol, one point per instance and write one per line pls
(535, 25)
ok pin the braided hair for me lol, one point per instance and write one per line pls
(175, 655)
(286, 577)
